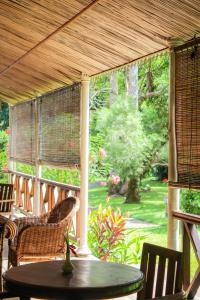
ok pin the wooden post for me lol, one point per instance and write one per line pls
(83, 248)
(173, 194)
(38, 168)
(11, 163)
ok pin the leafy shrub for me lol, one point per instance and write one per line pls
(190, 202)
(98, 168)
(24, 168)
(128, 251)
(109, 239)
(3, 155)
(68, 176)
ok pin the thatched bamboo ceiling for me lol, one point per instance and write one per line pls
(46, 44)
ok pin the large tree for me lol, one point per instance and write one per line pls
(131, 83)
(113, 87)
(147, 88)
(125, 143)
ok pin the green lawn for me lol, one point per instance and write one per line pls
(151, 209)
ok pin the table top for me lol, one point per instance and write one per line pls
(89, 280)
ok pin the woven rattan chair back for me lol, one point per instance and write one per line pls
(61, 210)
(42, 238)
(6, 197)
(162, 270)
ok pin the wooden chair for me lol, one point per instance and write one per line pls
(6, 199)
(42, 238)
(163, 273)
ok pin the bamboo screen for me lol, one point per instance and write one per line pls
(187, 115)
(22, 146)
(59, 127)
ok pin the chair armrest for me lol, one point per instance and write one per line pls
(10, 230)
(41, 239)
(24, 221)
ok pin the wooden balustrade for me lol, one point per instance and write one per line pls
(23, 190)
(190, 237)
(51, 192)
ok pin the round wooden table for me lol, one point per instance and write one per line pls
(89, 280)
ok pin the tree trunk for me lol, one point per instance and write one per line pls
(113, 87)
(131, 81)
(133, 191)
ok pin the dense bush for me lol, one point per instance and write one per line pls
(3, 155)
(109, 239)
(26, 169)
(160, 172)
(190, 202)
(68, 176)
(99, 168)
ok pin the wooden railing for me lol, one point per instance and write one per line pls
(190, 237)
(50, 193)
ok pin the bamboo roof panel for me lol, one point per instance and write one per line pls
(46, 44)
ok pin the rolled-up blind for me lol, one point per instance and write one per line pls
(59, 127)
(187, 114)
(22, 121)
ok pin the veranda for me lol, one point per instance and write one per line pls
(49, 52)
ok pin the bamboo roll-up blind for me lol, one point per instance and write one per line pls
(22, 121)
(187, 114)
(59, 127)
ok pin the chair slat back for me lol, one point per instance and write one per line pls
(162, 269)
(6, 193)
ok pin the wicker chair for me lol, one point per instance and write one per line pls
(159, 284)
(42, 238)
(7, 230)
(6, 199)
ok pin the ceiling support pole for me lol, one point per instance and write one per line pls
(11, 163)
(173, 193)
(38, 167)
(83, 249)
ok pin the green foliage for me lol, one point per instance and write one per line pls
(106, 228)
(124, 138)
(99, 92)
(26, 169)
(190, 201)
(4, 116)
(128, 251)
(158, 67)
(154, 109)
(134, 140)
(3, 154)
(109, 239)
(69, 176)
(98, 167)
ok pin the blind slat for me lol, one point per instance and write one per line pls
(22, 146)
(59, 127)
(187, 116)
